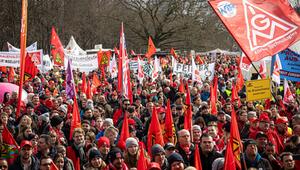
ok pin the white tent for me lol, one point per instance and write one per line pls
(73, 48)
(219, 51)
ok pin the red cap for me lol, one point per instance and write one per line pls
(26, 142)
(161, 110)
(103, 141)
(131, 122)
(282, 120)
(252, 120)
(154, 166)
(264, 117)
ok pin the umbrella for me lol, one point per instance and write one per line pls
(9, 87)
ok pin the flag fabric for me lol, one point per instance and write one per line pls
(116, 51)
(132, 52)
(195, 73)
(30, 70)
(53, 166)
(141, 74)
(75, 123)
(113, 67)
(156, 69)
(245, 63)
(57, 49)
(88, 90)
(83, 84)
(229, 163)
(95, 81)
(213, 96)
(239, 80)
(234, 95)
(288, 96)
(181, 86)
(198, 164)
(23, 39)
(199, 60)
(154, 133)
(10, 147)
(170, 132)
(151, 48)
(235, 140)
(142, 161)
(124, 132)
(70, 85)
(173, 53)
(263, 69)
(276, 70)
(188, 116)
(122, 60)
(11, 74)
(103, 58)
(261, 28)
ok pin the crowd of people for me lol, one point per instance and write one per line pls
(270, 130)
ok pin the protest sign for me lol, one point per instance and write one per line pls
(290, 62)
(258, 89)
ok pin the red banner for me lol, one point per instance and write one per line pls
(261, 28)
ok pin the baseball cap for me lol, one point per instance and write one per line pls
(169, 145)
(26, 143)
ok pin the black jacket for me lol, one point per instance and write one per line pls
(208, 160)
(17, 165)
(259, 162)
(187, 160)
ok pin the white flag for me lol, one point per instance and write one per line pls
(141, 74)
(276, 70)
(113, 67)
(195, 72)
(288, 96)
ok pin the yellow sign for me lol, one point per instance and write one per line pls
(258, 89)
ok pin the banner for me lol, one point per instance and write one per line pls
(261, 28)
(12, 59)
(206, 70)
(85, 63)
(290, 62)
(32, 47)
(258, 89)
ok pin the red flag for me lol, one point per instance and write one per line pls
(31, 69)
(122, 56)
(83, 84)
(181, 86)
(11, 74)
(103, 58)
(57, 49)
(263, 69)
(75, 122)
(198, 164)
(234, 95)
(53, 166)
(235, 140)
(229, 158)
(151, 48)
(13, 145)
(261, 28)
(173, 53)
(95, 81)
(132, 52)
(188, 116)
(170, 132)
(199, 60)
(154, 133)
(23, 38)
(88, 90)
(8, 138)
(124, 133)
(239, 80)
(142, 161)
(213, 96)
(116, 50)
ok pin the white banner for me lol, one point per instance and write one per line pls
(206, 70)
(12, 59)
(85, 63)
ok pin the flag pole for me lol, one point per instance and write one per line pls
(23, 37)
